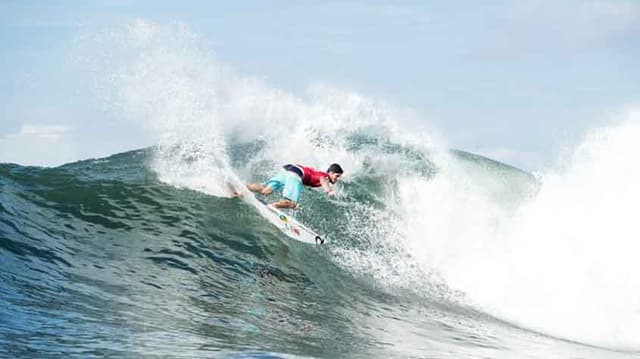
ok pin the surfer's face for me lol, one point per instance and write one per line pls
(333, 177)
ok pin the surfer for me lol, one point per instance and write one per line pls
(291, 178)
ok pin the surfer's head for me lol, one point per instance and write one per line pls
(334, 172)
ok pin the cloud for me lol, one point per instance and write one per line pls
(41, 145)
(567, 26)
(49, 132)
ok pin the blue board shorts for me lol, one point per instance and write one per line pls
(289, 182)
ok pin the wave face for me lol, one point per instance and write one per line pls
(102, 258)
(432, 252)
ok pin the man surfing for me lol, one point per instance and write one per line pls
(292, 177)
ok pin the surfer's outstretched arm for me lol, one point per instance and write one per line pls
(324, 181)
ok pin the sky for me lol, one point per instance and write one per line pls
(517, 81)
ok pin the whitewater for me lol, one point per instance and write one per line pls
(434, 252)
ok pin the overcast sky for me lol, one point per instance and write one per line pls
(513, 80)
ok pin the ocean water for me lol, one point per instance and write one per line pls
(433, 252)
(102, 258)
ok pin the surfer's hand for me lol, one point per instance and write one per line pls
(331, 193)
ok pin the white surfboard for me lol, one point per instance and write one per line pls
(290, 226)
(287, 224)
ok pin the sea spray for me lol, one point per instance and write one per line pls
(411, 215)
(563, 262)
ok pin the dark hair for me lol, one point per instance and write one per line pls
(335, 168)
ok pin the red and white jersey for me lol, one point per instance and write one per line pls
(312, 176)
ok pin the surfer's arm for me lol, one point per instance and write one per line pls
(324, 181)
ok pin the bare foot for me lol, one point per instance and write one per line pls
(236, 194)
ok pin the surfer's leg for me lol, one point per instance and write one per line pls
(267, 188)
(235, 193)
(284, 203)
(260, 188)
(255, 187)
(292, 188)
(290, 192)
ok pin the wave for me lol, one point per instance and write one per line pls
(430, 216)
(462, 235)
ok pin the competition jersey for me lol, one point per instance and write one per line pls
(310, 176)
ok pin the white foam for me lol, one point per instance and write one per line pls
(565, 264)
(163, 77)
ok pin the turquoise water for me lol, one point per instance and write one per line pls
(100, 258)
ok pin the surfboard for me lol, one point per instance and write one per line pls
(284, 222)
(290, 226)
